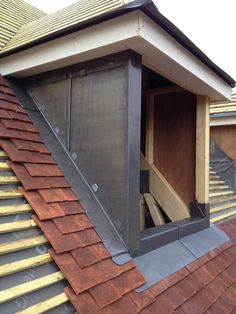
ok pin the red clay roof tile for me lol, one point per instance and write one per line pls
(125, 306)
(161, 306)
(105, 293)
(57, 195)
(4, 114)
(142, 299)
(9, 98)
(11, 134)
(31, 146)
(176, 277)
(72, 223)
(4, 104)
(42, 209)
(186, 288)
(225, 301)
(84, 302)
(94, 275)
(61, 243)
(69, 208)
(88, 237)
(24, 156)
(19, 125)
(175, 297)
(158, 288)
(129, 281)
(20, 116)
(36, 170)
(90, 255)
(6, 90)
(35, 183)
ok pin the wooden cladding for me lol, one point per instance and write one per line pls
(174, 141)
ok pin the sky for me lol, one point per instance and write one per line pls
(210, 24)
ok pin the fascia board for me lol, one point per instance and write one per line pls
(135, 31)
(164, 54)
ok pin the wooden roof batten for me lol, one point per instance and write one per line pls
(14, 248)
(14, 15)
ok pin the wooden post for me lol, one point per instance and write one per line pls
(149, 129)
(202, 150)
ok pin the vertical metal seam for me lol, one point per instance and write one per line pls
(68, 118)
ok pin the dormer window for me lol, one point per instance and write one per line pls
(134, 136)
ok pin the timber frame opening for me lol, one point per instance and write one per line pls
(174, 161)
(101, 110)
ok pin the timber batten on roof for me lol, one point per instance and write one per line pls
(224, 107)
(75, 14)
(13, 15)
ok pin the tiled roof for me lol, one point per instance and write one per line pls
(83, 10)
(95, 283)
(13, 15)
(224, 107)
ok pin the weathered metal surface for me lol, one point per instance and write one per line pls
(97, 105)
(52, 100)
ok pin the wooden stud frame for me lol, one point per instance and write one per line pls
(149, 129)
(202, 150)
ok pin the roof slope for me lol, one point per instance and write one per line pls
(28, 275)
(13, 15)
(224, 107)
(83, 10)
(95, 283)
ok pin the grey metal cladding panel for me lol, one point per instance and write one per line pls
(52, 99)
(99, 136)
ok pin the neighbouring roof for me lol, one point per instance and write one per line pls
(13, 15)
(95, 284)
(85, 13)
(73, 15)
(225, 107)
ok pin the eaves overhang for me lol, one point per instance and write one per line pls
(136, 31)
(149, 8)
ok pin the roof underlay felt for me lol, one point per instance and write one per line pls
(95, 284)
